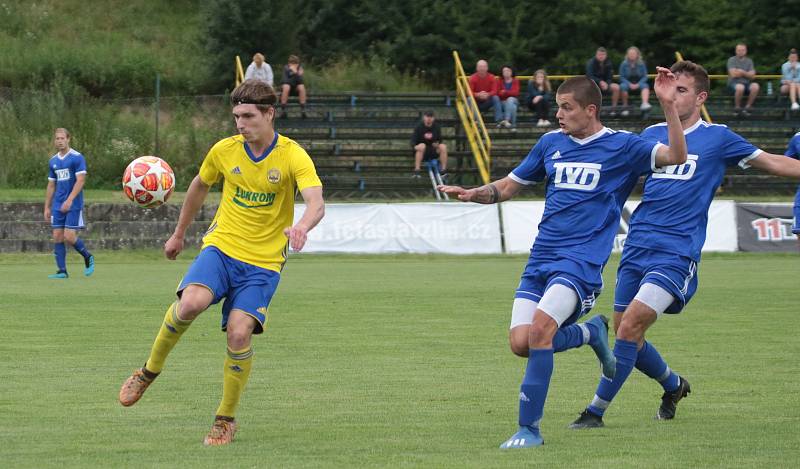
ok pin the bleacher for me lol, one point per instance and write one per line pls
(360, 141)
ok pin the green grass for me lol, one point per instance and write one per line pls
(395, 361)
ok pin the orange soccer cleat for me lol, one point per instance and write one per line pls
(133, 387)
(221, 432)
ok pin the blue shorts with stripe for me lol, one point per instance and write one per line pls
(72, 219)
(545, 269)
(672, 272)
(244, 286)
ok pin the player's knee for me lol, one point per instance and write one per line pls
(192, 304)
(58, 236)
(542, 331)
(238, 337)
(70, 238)
(518, 341)
(632, 327)
(420, 147)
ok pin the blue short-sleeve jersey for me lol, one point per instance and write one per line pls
(673, 213)
(63, 171)
(793, 150)
(588, 181)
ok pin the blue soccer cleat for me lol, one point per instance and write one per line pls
(526, 437)
(89, 270)
(599, 343)
(58, 275)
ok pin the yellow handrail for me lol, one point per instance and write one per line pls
(239, 72)
(472, 120)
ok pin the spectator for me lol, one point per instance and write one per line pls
(484, 88)
(508, 93)
(741, 73)
(790, 81)
(259, 70)
(600, 70)
(292, 84)
(427, 144)
(633, 78)
(539, 95)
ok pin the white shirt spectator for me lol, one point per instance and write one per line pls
(263, 73)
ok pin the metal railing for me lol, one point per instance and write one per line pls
(470, 115)
(239, 72)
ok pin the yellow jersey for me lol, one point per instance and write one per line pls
(257, 200)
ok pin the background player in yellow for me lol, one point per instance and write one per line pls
(245, 247)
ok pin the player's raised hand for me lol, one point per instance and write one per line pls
(298, 235)
(666, 86)
(173, 247)
(463, 195)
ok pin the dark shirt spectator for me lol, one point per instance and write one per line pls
(539, 95)
(427, 143)
(600, 70)
(292, 84)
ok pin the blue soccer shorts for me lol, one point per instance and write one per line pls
(672, 272)
(72, 220)
(545, 269)
(244, 286)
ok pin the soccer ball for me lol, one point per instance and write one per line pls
(148, 181)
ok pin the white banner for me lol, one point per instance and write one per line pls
(452, 228)
(521, 225)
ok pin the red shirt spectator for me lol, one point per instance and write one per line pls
(483, 82)
(504, 93)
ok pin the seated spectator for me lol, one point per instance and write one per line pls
(633, 78)
(539, 95)
(427, 144)
(600, 70)
(484, 88)
(508, 93)
(259, 70)
(741, 73)
(790, 81)
(292, 84)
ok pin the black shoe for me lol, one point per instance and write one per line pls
(587, 420)
(746, 112)
(443, 176)
(670, 400)
(737, 111)
(416, 175)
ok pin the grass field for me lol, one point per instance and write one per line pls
(396, 361)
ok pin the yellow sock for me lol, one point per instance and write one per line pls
(237, 371)
(171, 330)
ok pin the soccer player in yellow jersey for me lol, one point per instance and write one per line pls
(245, 247)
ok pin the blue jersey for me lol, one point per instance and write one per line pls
(63, 171)
(793, 150)
(588, 181)
(673, 214)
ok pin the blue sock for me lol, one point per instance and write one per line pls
(81, 248)
(649, 362)
(61, 256)
(568, 337)
(625, 352)
(533, 391)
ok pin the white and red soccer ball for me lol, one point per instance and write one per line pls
(148, 181)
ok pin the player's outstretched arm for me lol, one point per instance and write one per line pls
(779, 165)
(666, 89)
(315, 210)
(492, 193)
(195, 197)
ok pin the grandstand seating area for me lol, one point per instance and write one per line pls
(360, 141)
